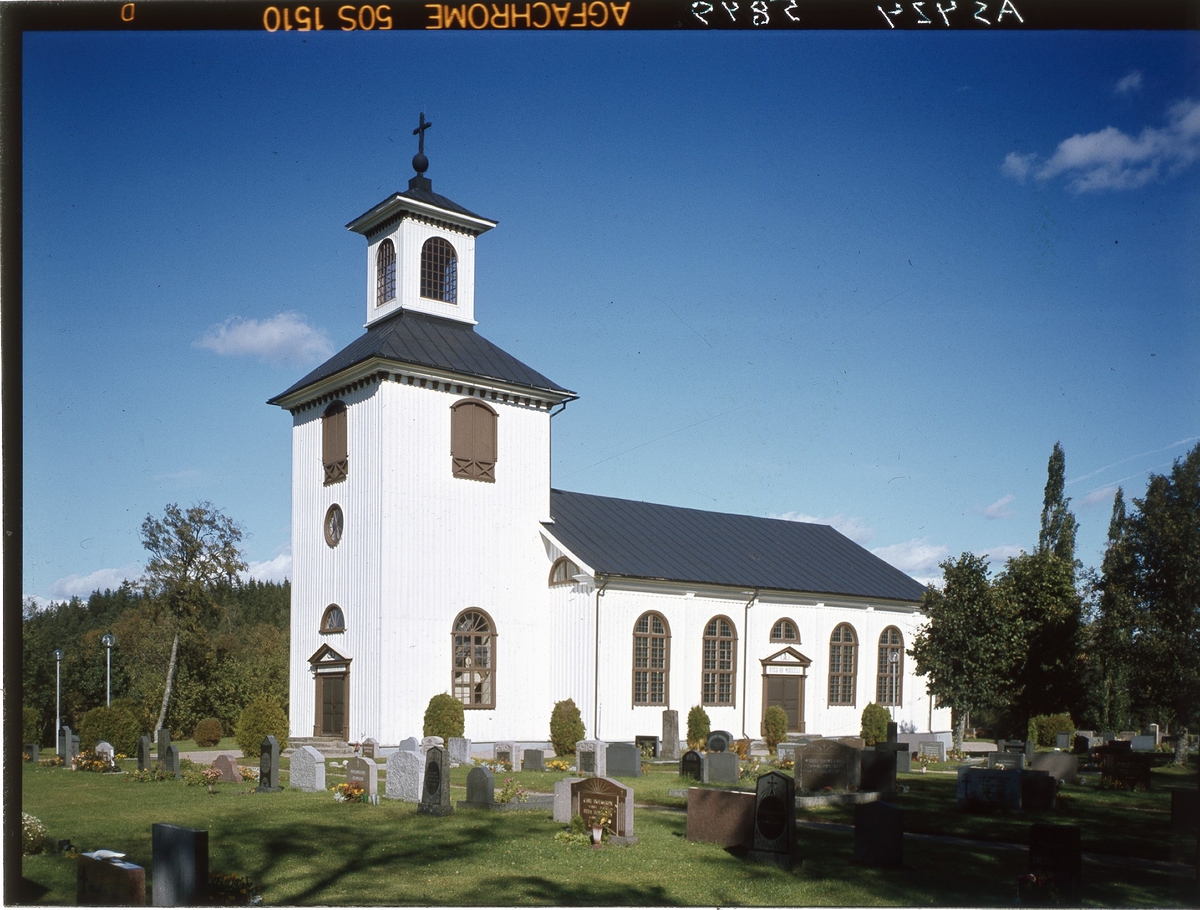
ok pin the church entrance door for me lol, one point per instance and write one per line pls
(331, 675)
(785, 692)
(333, 705)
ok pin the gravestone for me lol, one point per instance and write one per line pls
(365, 773)
(460, 750)
(1006, 760)
(228, 766)
(1185, 810)
(533, 760)
(1062, 766)
(1143, 744)
(268, 766)
(180, 865)
(562, 799)
(430, 741)
(935, 750)
(171, 762)
(724, 817)
(624, 760)
(591, 757)
(409, 745)
(33, 752)
(405, 776)
(987, 790)
(1062, 741)
(594, 797)
(481, 789)
(721, 768)
(786, 751)
(692, 765)
(435, 795)
(877, 771)
(369, 745)
(1054, 850)
(775, 821)
(106, 751)
(1126, 736)
(68, 744)
(854, 742)
(143, 753)
(1038, 791)
(652, 741)
(826, 763)
(719, 741)
(164, 743)
(1128, 768)
(108, 883)
(878, 834)
(307, 770)
(1081, 744)
(670, 736)
(1152, 730)
(505, 750)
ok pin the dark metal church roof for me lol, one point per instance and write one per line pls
(429, 341)
(622, 537)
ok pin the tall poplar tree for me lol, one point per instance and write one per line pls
(1057, 535)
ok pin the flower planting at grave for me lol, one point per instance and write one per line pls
(248, 774)
(511, 792)
(54, 761)
(206, 776)
(349, 792)
(232, 891)
(33, 834)
(90, 761)
(1037, 889)
(154, 773)
(557, 764)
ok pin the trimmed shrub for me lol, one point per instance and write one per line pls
(742, 748)
(444, 717)
(774, 727)
(260, 719)
(208, 732)
(33, 835)
(874, 724)
(698, 728)
(117, 724)
(1045, 727)
(566, 727)
(31, 726)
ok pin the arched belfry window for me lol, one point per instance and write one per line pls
(651, 660)
(890, 672)
(333, 620)
(474, 671)
(473, 440)
(439, 270)
(785, 630)
(720, 662)
(843, 665)
(385, 273)
(333, 443)
(563, 572)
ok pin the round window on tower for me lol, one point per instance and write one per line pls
(335, 522)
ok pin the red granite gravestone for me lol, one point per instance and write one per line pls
(109, 883)
(724, 817)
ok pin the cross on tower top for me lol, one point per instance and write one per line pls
(420, 163)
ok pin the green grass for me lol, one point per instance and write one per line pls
(303, 848)
(227, 744)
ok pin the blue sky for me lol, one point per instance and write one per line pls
(863, 278)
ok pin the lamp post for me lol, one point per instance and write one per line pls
(58, 656)
(108, 641)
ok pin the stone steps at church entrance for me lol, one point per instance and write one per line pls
(328, 746)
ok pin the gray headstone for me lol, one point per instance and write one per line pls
(904, 762)
(180, 865)
(307, 770)
(624, 760)
(878, 834)
(670, 736)
(1062, 741)
(826, 763)
(429, 742)
(365, 773)
(409, 745)
(1144, 743)
(228, 766)
(506, 750)
(719, 741)
(171, 762)
(721, 768)
(1055, 850)
(786, 751)
(405, 776)
(68, 744)
(268, 766)
(1006, 760)
(591, 757)
(1152, 730)
(533, 760)
(932, 749)
(1062, 766)
(460, 750)
(369, 747)
(775, 821)
(106, 751)
(435, 794)
(983, 790)
(591, 796)
(33, 750)
(562, 799)
(481, 789)
(164, 742)
(143, 753)
(692, 765)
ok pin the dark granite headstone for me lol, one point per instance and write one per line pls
(1126, 767)
(1185, 809)
(180, 866)
(775, 821)
(587, 762)
(878, 834)
(534, 760)
(719, 741)
(268, 766)
(1054, 850)
(171, 762)
(435, 795)
(594, 797)
(1081, 744)
(643, 741)
(826, 763)
(985, 790)
(481, 789)
(1038, 790)
(164, 742)
(143, 753)
(624, 760)
(691, 765)
(108, 883)
(877, 771)
(670, 735)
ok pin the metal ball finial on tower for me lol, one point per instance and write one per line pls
(420, 163)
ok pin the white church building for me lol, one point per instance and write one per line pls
(431, 554)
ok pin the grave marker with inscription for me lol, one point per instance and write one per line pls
(533, 760)
(405, 776)
(171, 762)
(623, 760)
(598, 797)
(719, 741)
(430, 741)
(721, 768)
(719, 816)
(228, 766)
(481, 789)
(108, 883)
(435, 795)
(591, 757)
(505, 750)
(828, 764)
(775, 821)
(692, 765)
(307, 770)
(985, 790)
(460, 750)
(143, 753)
(180, 865)
(268, 766)
(365, 773)
(642, 742)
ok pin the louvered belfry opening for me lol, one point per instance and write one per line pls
(333, 443)
(439, 270)
(473, 441)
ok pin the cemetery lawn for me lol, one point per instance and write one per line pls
(305, 849)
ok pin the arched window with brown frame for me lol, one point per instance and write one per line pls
(563, 572)
(385, 273)
(843, 665)
(651, 660)
(474, 673)
(785, 630)
(473, 440)
(333, 620)
(439, 270)
(720, 662)
(890, 672)
(333, 443)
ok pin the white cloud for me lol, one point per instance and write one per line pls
(83, 585)
(854, 528)
(284, 338)
(1101, 494)
(277, 569)
(998, 509)
(1110, 159)
(918, 558)
(1129, 84)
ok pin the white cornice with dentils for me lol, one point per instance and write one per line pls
(370, 369)
(398, 203)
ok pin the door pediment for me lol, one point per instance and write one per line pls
(787, 657)
(326, 656)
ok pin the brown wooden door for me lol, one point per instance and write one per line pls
(785, 691)
(333, 705)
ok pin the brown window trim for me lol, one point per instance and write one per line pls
(716, 671)
(327, 525)
(570, 579)
(464, 453)
(325, 628)
(455, 669)
(650, 636)
(439, 270)
(852, 676)
(778, 624)
(883, 675)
